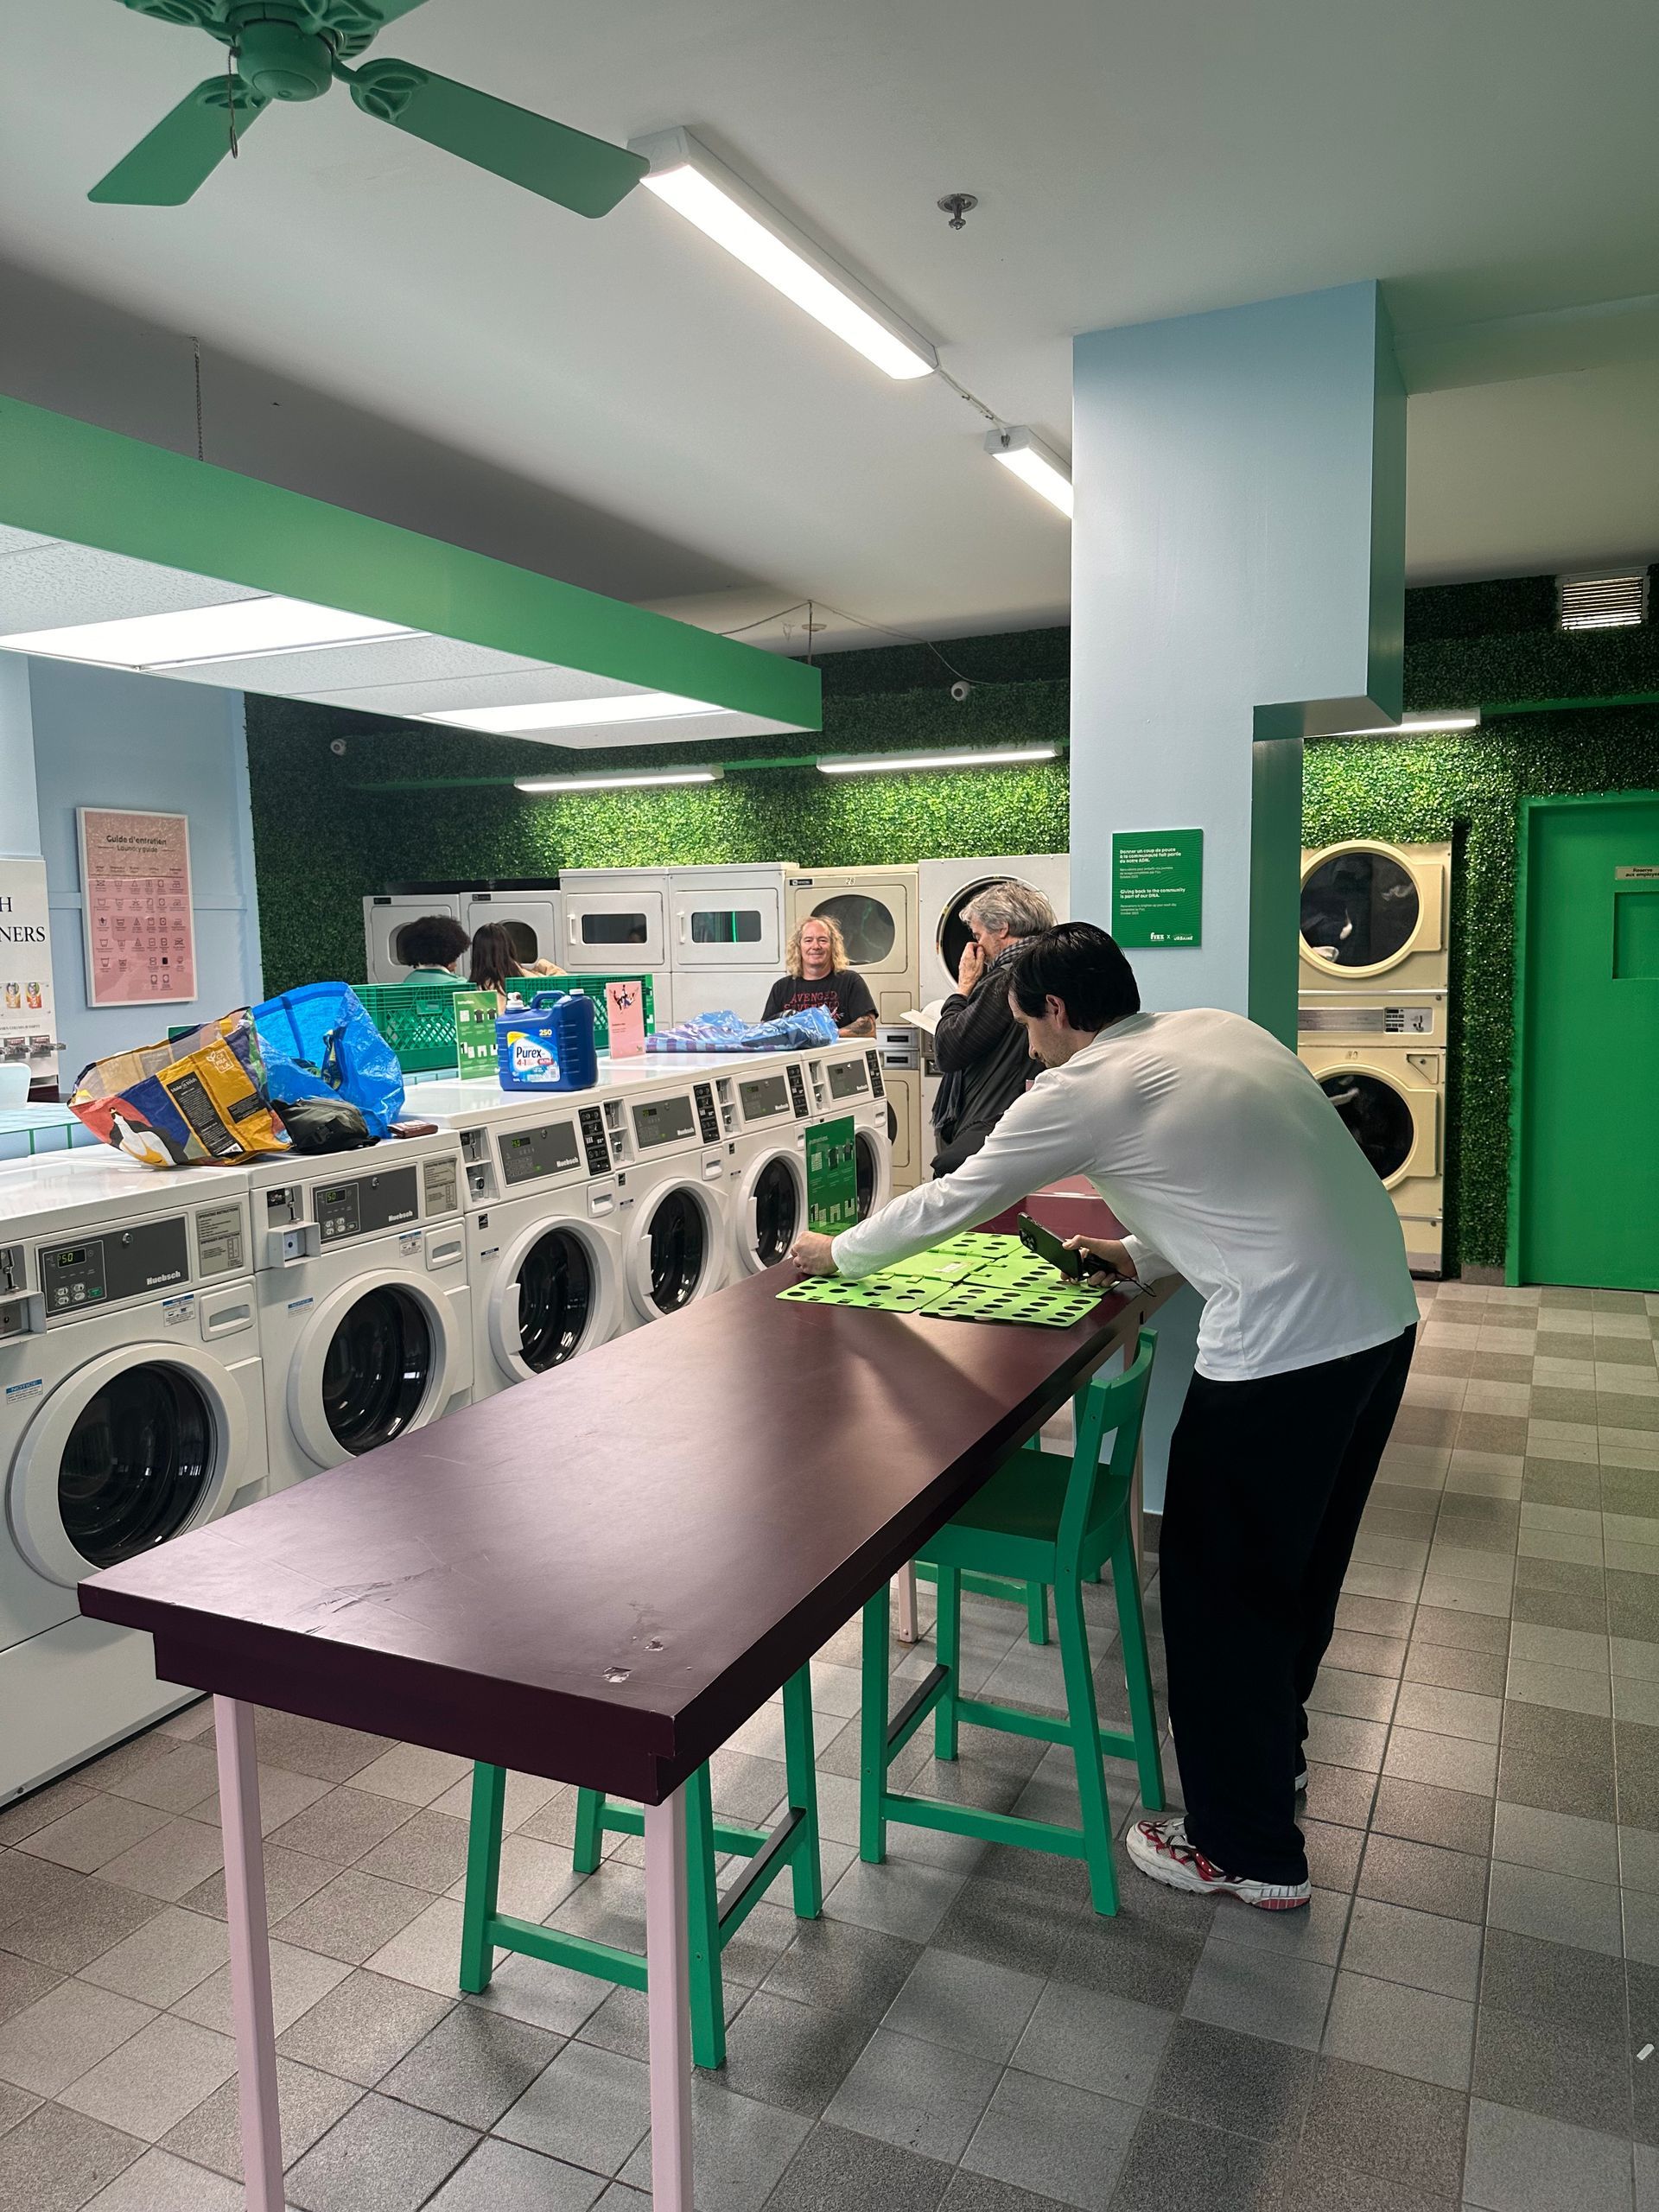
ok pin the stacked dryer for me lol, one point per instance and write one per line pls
(132, 1409)
(528, 906)
(709, 937)
(1372, 1019)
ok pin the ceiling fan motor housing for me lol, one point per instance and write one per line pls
(280, 56)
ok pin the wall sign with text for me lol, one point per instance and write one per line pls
(1158, 887)
(135, 886)
(26, 1019)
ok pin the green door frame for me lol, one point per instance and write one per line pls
(1528, 808)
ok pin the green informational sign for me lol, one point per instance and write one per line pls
(832, 1175)
(1158, 887)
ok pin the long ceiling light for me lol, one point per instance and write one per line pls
(1417, 726)
(1025, 456)
(622, 781)
(874, 763)
(686, 176)
(576, 713)
(238, 629)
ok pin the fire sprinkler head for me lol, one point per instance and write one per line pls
(958, 206)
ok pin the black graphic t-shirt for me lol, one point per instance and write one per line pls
(845, 993)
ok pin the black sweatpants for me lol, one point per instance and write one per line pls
(1267, 1482)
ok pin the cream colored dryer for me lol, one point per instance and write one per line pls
(1375, 916)
(1394, 1105)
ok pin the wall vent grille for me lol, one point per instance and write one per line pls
(1605, 602)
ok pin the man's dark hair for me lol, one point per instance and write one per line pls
(1082, 967)
(432, 941)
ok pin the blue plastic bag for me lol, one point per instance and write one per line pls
(319, 1042)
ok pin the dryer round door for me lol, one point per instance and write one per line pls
(674, 1248)
(1362, 911)
(1378, 1116)
(771, 1210)
(373, 1361)
(866, 920)
(873, 1163)
(555, 1295)
(132, 1449)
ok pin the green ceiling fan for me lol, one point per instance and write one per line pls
(294, 49)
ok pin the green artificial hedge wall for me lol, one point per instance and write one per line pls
(330, 828)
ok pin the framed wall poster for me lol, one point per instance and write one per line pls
(135, 890)
(26, 1023)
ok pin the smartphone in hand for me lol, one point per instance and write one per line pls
(1047, 1246)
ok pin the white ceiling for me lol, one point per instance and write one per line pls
(1490, 159)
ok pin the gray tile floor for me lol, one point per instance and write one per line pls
(1466, 2016)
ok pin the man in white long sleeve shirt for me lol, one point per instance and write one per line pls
(1229, 1165)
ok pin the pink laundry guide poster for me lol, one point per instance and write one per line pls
(135, 886)
(626, 1012)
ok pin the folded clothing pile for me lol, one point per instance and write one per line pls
(728, 1033)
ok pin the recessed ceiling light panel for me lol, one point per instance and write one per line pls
(236, 629)
(576, 714)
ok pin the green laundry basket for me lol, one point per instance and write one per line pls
(417, 1020)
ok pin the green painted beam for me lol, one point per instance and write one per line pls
(71, 479)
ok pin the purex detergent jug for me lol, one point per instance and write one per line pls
(548, 1047)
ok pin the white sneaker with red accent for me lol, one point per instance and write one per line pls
(1161, 1849)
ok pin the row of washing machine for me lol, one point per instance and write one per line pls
(175, 1346)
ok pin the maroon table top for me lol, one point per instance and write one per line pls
(599, 1574)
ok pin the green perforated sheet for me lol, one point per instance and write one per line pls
(972, 1278)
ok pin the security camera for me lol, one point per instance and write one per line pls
(960, 690)
(336, 747)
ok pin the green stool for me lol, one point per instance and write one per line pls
(713, 1921)
(1045, 1520)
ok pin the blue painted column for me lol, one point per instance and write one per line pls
(1238, 565)
(19, 812)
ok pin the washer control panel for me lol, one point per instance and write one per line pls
(527, 1155)
(594, 1142)
(96, 1271)
(707, 1120)
(369, 1203)
(874, 1060)
(797, 1090)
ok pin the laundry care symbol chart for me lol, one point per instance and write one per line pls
(135, 882)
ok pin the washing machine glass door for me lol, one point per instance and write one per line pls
(678, 1250)
(558, 1296)
(867, 1164)
(868, 925)
(774, 1213)
(1360, 911)
(1377, 1116)
(137, 1465)
(377, 1369)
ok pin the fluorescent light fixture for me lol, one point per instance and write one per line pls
(1418, 725)
(876, 764)
(686, 176)
(576, 713)
(239, 629)
(1027, 457)
(623, 780)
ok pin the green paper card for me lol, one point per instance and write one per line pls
(832, 1175)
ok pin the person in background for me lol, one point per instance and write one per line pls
(495, 968)
(979, 1047)
(433, 944)
(818, 975)
(1234, 1170)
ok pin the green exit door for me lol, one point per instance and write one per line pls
(1585, 1177)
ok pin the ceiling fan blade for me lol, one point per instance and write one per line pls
(184, 149)
(589, 175)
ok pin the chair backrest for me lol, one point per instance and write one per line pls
(1095, 1493)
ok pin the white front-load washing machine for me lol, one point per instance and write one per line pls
(948, 885)
(131, 1409)
(669, 1130)
(766, 1189)
(1375, 915)
(1394, 1105)
(365, 1313)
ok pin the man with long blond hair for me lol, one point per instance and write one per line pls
(817, 974)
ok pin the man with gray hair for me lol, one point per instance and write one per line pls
(979, 1046)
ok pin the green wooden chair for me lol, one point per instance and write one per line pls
(1046, 1520)
(714, 1920)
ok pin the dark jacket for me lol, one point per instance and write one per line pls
(981, 1052)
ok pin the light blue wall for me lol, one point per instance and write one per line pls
(1239, 570)
(106, 739)
(20, 818)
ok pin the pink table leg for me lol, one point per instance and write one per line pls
(244, 1906)
(668, 2005)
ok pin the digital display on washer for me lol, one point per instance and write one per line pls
(767, 1096)
(848, 1079)
(101, 1270)
(663, 1121)
(372, 1202)
(550, 1150)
